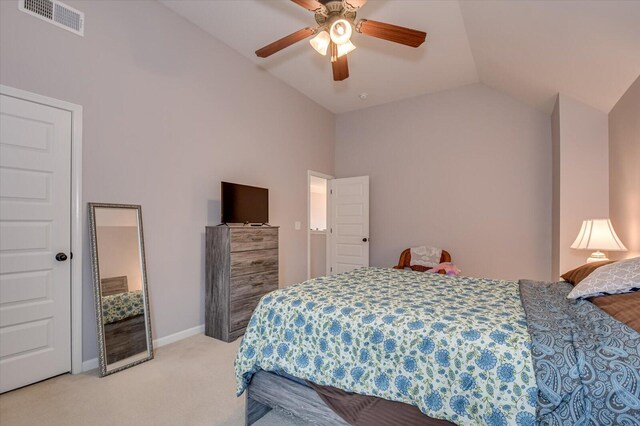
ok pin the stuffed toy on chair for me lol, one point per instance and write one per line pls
(448, 268)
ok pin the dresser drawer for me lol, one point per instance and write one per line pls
(253, 262)
(244, 286)
(241, 311)
(245, 239)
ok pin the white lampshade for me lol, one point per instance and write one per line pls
(598, 234)
(340, 31)
(343, 49)
(321, 42)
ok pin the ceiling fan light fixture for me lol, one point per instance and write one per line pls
(340, 31)
(343, 49)
(321, 42)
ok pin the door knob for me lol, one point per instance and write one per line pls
(61, 257)
(365, 239)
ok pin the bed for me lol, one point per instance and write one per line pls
(460, 350)
(123, 319)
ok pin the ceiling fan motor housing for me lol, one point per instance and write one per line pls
(334, 10)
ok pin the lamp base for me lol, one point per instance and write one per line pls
(597, 256)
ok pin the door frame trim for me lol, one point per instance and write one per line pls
(77, 212)
(328, 178)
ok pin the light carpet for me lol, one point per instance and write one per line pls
(190, 382)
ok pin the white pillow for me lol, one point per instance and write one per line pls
(614, 278)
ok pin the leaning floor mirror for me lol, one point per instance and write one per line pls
(120, 286)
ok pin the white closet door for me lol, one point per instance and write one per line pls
(35, 220)
(349, 207)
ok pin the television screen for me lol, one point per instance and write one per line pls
(244, 204)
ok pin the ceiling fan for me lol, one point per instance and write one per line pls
(336, 23)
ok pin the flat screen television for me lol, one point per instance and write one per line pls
(244, 204)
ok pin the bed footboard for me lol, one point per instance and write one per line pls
(268, 390)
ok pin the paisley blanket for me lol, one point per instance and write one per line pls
(587, 364)
(455, 347)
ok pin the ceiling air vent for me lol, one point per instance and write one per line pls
(56, 13)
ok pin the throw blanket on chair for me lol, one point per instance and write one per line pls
(425, 256)
(587, 363)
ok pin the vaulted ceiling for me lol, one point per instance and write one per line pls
(529, 49)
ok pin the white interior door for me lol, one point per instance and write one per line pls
(35, 220)
(349, 223)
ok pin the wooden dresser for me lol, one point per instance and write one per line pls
(241, 267)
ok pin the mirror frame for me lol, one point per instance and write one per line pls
(102, 358)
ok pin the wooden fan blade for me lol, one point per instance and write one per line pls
(312, 5)
(339, 65)
(287, 41)
(340, 68)
(355, 4)
(402, 35)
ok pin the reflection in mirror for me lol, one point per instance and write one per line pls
(124, 332)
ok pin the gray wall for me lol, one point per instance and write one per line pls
(555, 219)
(168, 113)
(119, 254)
(318, 255)
(468, 170)
(624, 170)
(581, 176)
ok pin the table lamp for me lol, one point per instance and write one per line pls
(597, 234)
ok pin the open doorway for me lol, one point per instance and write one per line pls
(317, 207)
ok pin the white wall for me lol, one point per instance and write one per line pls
(581, 176)
(169, 112)
(624, 170)
(318, 207)
(467, 170)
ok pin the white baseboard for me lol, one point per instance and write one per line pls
(166, 340)
(92, 364)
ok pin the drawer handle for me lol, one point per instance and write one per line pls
(257, 262)
(257, 239)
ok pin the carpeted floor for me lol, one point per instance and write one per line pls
(190, 382)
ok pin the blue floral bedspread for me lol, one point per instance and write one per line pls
(456, 347)
(119, 306)
(587, 364)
